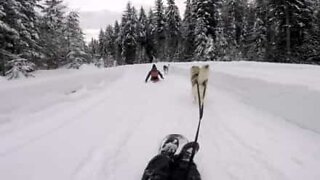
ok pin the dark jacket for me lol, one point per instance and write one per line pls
(158, 168)
(154, 73)
(179, 170)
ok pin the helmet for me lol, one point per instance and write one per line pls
(154, 66)
(170, 146)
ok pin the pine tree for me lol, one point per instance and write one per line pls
(200, 39)
(188, 36)
(159, 32)
(29, 32)
(76, 46)
(292, 19)
(310, 50)
(234, 21)
(117, 42)
(93, 48)
(8, 35)
(150, 37)
(20, 67)
(52, 37)
(218, 50)
(142, 36)
(129, 36)
(205, 9)
(257, 39)
(102, 44)
(110, 45)
(18, 31)
(173, 26)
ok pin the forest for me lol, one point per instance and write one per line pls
(46, 35)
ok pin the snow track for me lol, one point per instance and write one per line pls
(106, 125)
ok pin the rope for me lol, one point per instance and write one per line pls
(198, 128)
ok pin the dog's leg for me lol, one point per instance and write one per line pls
(201, 89)
(195, 94)
(204, 84)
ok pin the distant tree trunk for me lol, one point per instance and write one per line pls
(288, 44)
(2, 65)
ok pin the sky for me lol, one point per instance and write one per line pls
(112, 5)
(261, 121)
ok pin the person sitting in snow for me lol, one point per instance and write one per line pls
(182, 168)
(159, 167)
(154, 73)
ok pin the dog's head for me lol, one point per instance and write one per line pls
(206, 66)
(195, 70)
(194, 74)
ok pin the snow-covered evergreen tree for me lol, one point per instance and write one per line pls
(173, 30)
(19, 67)
(150, 37)
(76, 46)
(52, 36)
(256, 39)
(128, 34)
(159, 30)
(110, 45)
(102, 44)
(29, 30)
(187, 29)
(205, 9)
(234, 19)
(310, 50)
(200, 40)
(93, 48)
(218, 51)
(292, 19)
(18, 31)
(142, 36)
(210, 53)
(117, 42)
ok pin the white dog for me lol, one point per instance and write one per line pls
(199, 76)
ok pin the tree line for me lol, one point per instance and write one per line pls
(214, 30)
(45, 36)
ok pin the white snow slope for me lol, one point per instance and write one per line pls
(261, 122)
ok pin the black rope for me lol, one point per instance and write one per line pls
(198, 128)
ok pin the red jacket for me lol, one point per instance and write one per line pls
(154, 73)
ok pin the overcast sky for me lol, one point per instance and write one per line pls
(97, 14)
(113, 5)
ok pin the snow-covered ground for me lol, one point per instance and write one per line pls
(261, 121)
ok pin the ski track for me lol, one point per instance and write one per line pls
(59, 120)
(228, 149)
(130, 137)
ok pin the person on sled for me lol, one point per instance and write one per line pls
(154, 73)
(159, 167)
(167, 166)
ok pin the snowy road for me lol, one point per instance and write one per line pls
(96, 124)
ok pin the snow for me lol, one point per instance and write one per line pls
(260, 122)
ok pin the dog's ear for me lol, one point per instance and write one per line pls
(206, 66)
